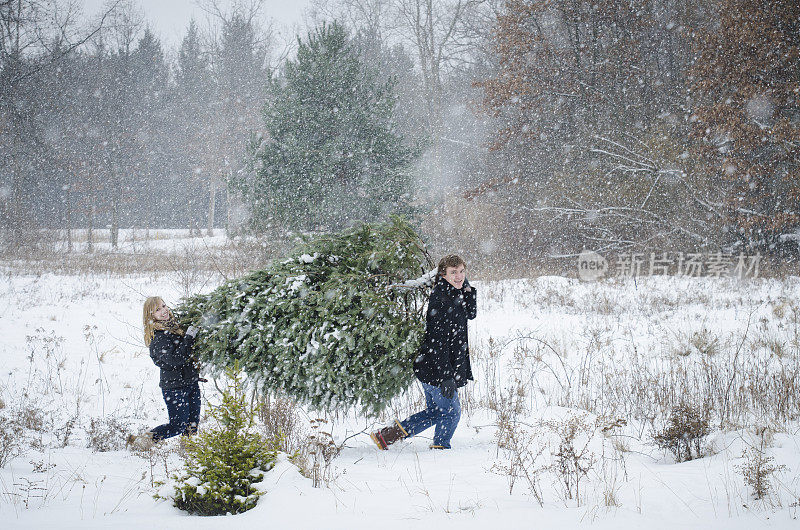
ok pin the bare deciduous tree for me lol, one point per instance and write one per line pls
(432, 28)
(35, 36)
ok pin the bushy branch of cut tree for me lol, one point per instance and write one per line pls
(324, 326)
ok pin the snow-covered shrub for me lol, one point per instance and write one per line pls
(685, 433)
(32, 417)
(328, 326)
(22, 427)
(225, 462)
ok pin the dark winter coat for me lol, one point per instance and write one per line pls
(173, 354)
(444, 352)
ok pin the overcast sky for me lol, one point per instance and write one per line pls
(170, 18)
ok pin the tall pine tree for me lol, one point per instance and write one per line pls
(193, 132)
(241, 74)
(329, 154)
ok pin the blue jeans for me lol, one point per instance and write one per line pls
(439, 411)
(183, 406)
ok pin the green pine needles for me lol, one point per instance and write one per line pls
(225, 462)
(324, 326)
(330, 152)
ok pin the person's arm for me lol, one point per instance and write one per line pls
(470, 300)
(436, 323)
(171, 352)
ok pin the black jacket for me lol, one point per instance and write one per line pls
(445, 349)
(173, 354)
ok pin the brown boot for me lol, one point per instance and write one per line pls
(388, 435)
(142, 442)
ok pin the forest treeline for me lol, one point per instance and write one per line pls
(517, 128)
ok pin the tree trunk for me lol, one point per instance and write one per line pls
(228, 226)
(90, 231)
(16, 198)
(212, 204)
(115, 222)
(69, 219)
(191, 223)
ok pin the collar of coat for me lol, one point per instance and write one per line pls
(448, 288)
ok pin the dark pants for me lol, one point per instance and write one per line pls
(439, 411)
(183, 406)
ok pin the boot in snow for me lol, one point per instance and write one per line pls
(388, 435)
(142, 442)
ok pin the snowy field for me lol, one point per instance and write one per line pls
(594, 365)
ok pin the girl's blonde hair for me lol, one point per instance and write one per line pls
(451, 260)
(151, 324)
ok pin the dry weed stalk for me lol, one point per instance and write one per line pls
(758, 468)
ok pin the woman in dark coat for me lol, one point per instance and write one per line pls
(171, 350)
(442, 364)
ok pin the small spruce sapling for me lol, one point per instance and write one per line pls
(225, 463)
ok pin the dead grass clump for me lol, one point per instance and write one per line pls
(555, 297)
(573, 459)
(314, 460)
(522, 445)
(705, 342)
(11, 445)
(685, 433)
(604, 304)
(108, 434)
(32, 418)
(758, 468)
(282, 420)
(522, 449)
(782, 308)
(771, 342)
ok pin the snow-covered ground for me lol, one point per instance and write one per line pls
(547, 352)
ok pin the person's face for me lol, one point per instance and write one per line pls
(455, 276)
(161, 312)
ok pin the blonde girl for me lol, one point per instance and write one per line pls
(171, 350)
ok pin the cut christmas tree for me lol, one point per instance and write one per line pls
(335, 325)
